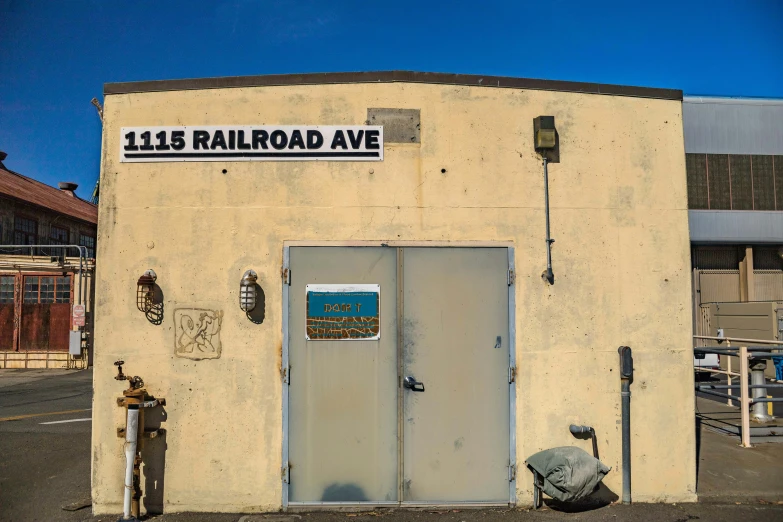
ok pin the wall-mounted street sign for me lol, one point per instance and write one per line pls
(252, 143)
(343, 312)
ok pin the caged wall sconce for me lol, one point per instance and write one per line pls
(247, 291)
(145, 291)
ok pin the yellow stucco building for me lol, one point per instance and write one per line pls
(429, 215)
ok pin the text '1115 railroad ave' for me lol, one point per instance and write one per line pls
(252, 143)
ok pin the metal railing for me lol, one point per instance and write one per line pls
(752, 398)
(82, 260)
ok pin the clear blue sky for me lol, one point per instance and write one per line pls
(56, 55)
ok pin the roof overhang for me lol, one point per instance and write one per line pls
(390, 77)
(735, 227)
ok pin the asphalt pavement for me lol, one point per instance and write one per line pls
(45, 466)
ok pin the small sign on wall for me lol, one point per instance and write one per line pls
(252, 143)
(78, 315)
(343, 312)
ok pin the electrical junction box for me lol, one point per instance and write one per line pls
(75, 342)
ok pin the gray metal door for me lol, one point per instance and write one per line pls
(456, 431)
(343, 393)
(358, 433)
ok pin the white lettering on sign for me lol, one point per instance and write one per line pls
(252, 143)
(78, 315)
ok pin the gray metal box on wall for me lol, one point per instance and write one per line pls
(399, 125)
(75, 342)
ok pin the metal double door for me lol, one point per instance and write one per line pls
(419, 415)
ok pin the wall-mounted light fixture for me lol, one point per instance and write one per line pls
(545, 143)
(544, 133)
(247, 291)
(145, 291)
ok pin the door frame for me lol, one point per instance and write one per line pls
(286, 282)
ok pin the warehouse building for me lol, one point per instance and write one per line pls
(734, 163)
(42, 279)
(339, 284)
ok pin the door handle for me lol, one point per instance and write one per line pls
(410, 383)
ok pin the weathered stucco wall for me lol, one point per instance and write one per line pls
(621, 264)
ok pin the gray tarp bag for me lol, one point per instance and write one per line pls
(569, 473)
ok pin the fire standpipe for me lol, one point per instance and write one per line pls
(135, 400)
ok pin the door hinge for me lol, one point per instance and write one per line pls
(286, 274)
(512, 472)
(511, 277)
(287, 375)
(285, 473)
(512, 374)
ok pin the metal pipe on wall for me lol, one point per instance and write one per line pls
(82, 256)
(131, 440)
(548, 275)
(626, 376)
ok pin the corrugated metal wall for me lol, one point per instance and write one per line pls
(732, 125)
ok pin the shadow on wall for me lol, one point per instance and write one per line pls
(153, 458)
(257, 314)
(155, 315)
(343, 493)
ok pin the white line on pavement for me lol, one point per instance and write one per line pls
(62, 422)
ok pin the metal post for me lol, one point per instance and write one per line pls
(626, 415)
(728, 379)
(759, 413)
(548, 276)
(626, 376)
(744, 399)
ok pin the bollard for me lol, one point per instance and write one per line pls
(760, 410)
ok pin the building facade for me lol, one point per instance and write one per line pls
(734, 161)
(423, 239)
(40, 279)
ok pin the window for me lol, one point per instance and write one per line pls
(89, 242)
(31, 289)
(46, 289)
(63, 290)
(46, 286)
(58, 236)
(25, 231)
(6, 289)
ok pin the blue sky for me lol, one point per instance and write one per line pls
(56, 55)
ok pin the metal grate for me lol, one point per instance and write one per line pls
(741, 182)
(778, 165)
(715, 258)
(696, 167)
(734, 181)
(763, 182)
(767, 258)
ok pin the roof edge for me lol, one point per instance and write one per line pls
(49, 209)
(732, 100)
(390, 77)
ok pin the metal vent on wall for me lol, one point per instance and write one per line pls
(767, 258)
(734, 182)
(716, 258)
(399, 125)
